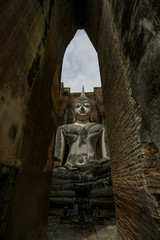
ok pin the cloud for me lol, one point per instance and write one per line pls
(80, 64)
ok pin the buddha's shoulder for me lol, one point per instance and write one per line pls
(74, 128)
(96, 126)
(68, 127)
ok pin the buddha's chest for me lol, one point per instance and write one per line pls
(83, 135)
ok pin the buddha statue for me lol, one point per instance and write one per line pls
(86, 140)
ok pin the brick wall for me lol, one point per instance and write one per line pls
(126, 37)
(134, 161)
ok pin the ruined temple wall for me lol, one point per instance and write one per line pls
(35, 35)
(127, 41)
(22, 45)
(21, 33)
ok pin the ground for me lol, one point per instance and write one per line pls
(90, 231)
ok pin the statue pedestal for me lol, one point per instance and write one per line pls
(68, 185)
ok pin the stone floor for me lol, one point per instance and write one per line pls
(89, 231)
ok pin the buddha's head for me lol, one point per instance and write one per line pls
(82, 107)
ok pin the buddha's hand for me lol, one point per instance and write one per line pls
(105, 161)
(56, 162)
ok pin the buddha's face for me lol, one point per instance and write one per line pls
(82, 109)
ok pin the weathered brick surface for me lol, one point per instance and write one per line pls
(34, 35)
(123, 49)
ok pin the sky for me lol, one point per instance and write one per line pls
(80, 64)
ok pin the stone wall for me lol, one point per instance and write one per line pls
(128, 46)
(34, 36)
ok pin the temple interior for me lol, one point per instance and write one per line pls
(43, 197)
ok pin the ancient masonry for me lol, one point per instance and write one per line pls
(34, 36)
